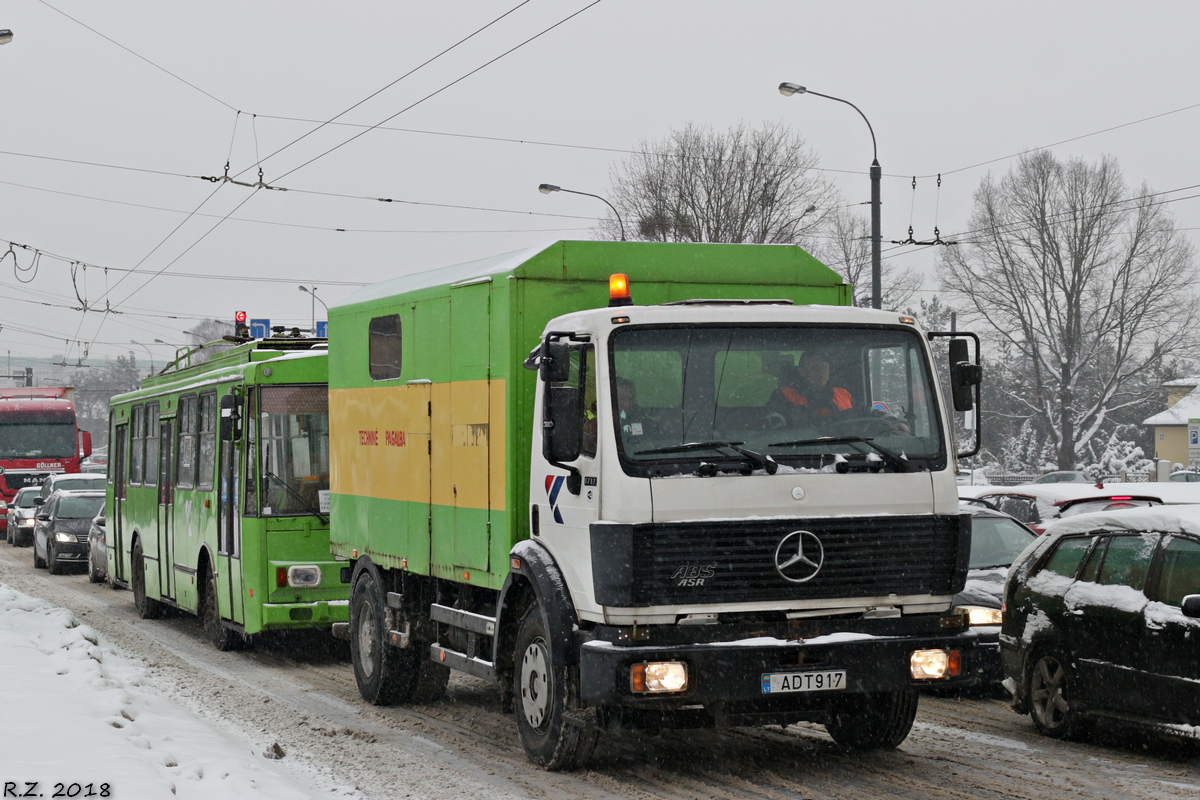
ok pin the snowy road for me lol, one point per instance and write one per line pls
(299, 692)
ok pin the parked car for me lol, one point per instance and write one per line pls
(1060, 476)
(1037, 506)
(1102, 621)
(69, 481)
(1185, 476)
(97, 554)
(996, 541)
(60, 536)
(19, 532)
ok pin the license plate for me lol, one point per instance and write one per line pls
(823, 681)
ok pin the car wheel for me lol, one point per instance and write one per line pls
(544, 692)
(38, 562)
(56, 567)
(147, 607)
(94, 575)
(1052, 703)
(875, 721)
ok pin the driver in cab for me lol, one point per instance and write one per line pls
(807, 398)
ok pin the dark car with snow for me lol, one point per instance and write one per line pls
(996, 541)
(1038, 506)
(1102, 622)
(60, 537)
(21, 509)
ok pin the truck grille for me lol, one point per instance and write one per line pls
(687, 563)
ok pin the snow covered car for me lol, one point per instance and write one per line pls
(19, 532)
(97, 554)
(1102, 621)
(1038, 506)
(996, 540)
(60, 536)
(69, 481)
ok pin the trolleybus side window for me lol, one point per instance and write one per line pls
(383, 346)
(137, 442)
(150, 423)
(187, 443)
(251, 450)
(208, 441)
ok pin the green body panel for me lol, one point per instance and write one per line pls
(473, 325)
(179, 537)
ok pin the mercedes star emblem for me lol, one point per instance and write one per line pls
(799, 556)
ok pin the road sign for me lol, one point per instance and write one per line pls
(260, 328)
(1193, 440)
(322, 329)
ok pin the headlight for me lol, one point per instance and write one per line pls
(658, 676)
(303, 576)
(64, 537)
(926, 665)
(978, 615)
(26, 523)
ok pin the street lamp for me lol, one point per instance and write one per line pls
(547, 188)
(147, 349)
(789, 89)
(313, 292)
(5, 36)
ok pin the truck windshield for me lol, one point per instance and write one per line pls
(697, 398)
(295, 448)
(37, 440)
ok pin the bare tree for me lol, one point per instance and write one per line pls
(1091, 288)
(700, 185)
(846, 247)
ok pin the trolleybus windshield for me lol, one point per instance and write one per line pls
(294, 425)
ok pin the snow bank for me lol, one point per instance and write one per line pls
(74, 712)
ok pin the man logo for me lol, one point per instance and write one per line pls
(799, 556)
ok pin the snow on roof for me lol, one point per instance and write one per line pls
(1187, 408)
(1183, 382)
(1184, 518)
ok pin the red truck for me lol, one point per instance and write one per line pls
(38, 436)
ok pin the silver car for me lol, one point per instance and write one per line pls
(60, 536)
(19, 532)
(97, 554)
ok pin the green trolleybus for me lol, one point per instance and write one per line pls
(218, 490)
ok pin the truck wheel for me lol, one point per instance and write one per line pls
(52, 562)
(147, 608)
(875, 721)
(1051, 695)
(222, 637)
(543, 693)
(376, 663)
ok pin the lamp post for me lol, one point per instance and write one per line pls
(789, 89)
(315, 300)
(547, 188)
(147, 349)
(6, 36)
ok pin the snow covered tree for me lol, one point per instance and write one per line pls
(1118, 455)
(1089, 285)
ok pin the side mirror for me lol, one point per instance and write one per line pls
(228, 429)
(562, 424)
(100, 521)
(86, 438)
(964, 376)
(38, 501)
(1191, 606)
(44, 517)
(555, 362)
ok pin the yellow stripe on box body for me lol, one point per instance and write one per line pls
(380, 438)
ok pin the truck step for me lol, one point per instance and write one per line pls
(463, 663)
(468, 621)
(341, 630)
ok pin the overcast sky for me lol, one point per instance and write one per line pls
(113, 112)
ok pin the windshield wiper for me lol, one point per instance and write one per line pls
(316, 512)
(757, 459)
(897, 461)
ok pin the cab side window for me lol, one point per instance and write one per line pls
(383, 347)
(1180, 574)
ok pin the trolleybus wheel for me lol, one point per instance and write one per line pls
(147, 608)
(872, 721)
(544, 692)
(222, 637)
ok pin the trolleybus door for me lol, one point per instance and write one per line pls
(166, 511)
(114, 535)
(229, 529)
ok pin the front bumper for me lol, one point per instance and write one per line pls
(723, 673)
(281, 616)
(69, 551)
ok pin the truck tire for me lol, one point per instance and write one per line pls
(376, 663)
(543, 693)
(223, 638)
(385, 674)
(874, 721)
(147, 608)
